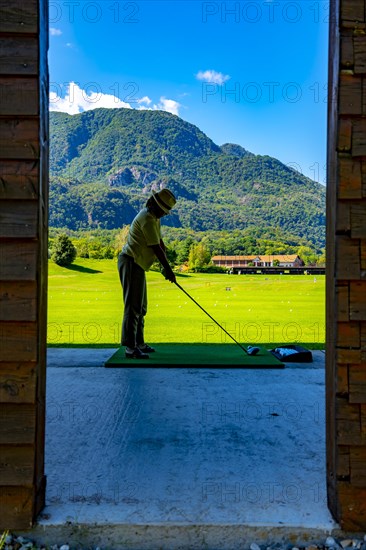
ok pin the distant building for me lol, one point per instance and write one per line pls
(238, 262)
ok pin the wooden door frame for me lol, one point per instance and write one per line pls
(21, 501)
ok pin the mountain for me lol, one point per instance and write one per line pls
(104, 164)
(235, 150)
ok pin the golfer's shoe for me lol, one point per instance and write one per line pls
(136, 353)
(146, 348)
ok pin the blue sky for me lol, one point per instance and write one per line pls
(247, 72)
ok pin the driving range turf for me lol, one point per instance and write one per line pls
(85, 307)
(198, 355)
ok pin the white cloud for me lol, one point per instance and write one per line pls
(145, 100)
(77, 100)
(212, 77)
(168, 105)
(55, 32)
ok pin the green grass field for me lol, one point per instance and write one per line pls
(85, 307)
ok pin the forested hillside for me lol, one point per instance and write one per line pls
(104, 164)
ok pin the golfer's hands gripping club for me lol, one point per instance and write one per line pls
(159, 250)
(169, 274)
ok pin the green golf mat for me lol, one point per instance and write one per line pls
(197, 355)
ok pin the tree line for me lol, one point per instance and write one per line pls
(186, 249)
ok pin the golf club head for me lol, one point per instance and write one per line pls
(252, 350)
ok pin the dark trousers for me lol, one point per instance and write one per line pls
(133, 281)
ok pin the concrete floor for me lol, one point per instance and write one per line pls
(185, 451)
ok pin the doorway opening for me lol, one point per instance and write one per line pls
(222, 446)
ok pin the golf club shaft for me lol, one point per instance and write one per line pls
(210, 316)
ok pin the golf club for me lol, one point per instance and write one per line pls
(249, 351)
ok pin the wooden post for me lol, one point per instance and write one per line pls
(23, 258)
(346, 265)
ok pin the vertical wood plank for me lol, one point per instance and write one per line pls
(18, 382)
(348, 335)
(18, 301)
(19, 17)
(359, 138)
(357, 466)
(357, 385)
(19, 139)
(360, 54)
(342, 297)
(343, 470)
(23, 255)
(348, 260)
(18, 219)
(358, 300)
(345, 281)
(358, 220)
(363, 419)
(39, 476)
(350, 178)
(18, 263)
(353, 507)
(350, 95)
(347, 56)
(332, 297)
(18, 341)
(353, 11)
(342, 380)
(17, 424)
(19, 55)
(16, 507)
(19, 96)
(343, 218)
(16, 465)
(346, 356)
(363, 256)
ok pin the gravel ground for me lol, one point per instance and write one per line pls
(9, 541)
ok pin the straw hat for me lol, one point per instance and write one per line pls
(165, 200)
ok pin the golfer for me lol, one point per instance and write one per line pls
(144, 245)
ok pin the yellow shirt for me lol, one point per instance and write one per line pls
(144, 232)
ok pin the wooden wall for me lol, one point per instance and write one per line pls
(23, 257)
(23, 261)
(346, 265)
